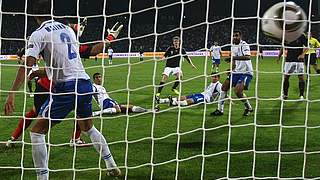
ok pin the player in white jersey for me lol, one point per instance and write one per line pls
(106, 103)
(57, 43)
(241, 75)
(215, 54)
(209, 95)
(110, 54)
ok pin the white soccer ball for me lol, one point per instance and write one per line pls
(272, 22)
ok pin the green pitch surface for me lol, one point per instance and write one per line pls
(281, 139)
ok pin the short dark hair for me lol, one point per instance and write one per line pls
(95, 74)
(237, 31)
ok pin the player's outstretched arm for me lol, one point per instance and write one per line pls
(9, 105)
(190, 62)
(113, 33)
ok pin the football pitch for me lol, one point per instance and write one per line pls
(281, 139)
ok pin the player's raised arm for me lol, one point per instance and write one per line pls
(92, 50)
(184, 53)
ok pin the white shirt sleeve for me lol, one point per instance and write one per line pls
(36, 44)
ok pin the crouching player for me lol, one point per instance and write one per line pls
(107, 104)
(209, 95)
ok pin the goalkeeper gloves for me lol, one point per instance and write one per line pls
(114, 31)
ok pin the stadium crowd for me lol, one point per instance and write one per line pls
(141, 35)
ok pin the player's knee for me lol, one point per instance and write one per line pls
(85, 125)
(41, 127)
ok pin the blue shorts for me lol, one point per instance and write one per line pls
(109, 103)
(197, 98)
(215, 61)
(239, 78)
(60, 105)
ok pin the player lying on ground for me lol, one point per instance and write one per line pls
(43, 85)
(209, 95)
(240, 76)
(108, 105)
(65, 69)
(173, 56)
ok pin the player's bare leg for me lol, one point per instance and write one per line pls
(132, 109)
(176, 83)
(113, 110)
(239, 92)
(224, 90)
(301, 86)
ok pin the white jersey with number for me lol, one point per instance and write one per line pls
(215, 50)
(100, 94)
(242, 67)
(110, 52)
(57, 44)
(212, 91)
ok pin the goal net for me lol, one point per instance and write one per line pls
(278, 140)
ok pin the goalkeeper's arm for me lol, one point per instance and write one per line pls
(92, 50)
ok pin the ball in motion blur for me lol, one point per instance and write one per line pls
(287, 17)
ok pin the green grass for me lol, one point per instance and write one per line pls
(202, 140)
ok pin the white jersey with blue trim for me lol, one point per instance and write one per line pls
(215, 50)
(110, 52)
(242, 67)
(212, 91)
(100, 94)
(57, 44)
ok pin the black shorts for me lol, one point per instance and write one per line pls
(39, 99)
(313, 59)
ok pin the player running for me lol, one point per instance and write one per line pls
(106, 103)
(240, 76)
(65, 69)
(173, 57)
(209, 95)
(294, 64)
(215, 54)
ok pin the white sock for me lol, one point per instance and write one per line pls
(165, 100)
(39, 155)
(138, 109)
(246, 102)
(110, 111)
(221, 101)
(100, 142)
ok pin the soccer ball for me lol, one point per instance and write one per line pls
(294, 16)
